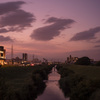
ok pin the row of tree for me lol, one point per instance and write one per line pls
(86, 61)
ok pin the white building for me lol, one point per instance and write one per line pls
(2, 55)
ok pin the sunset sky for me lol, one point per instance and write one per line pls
(52, 29)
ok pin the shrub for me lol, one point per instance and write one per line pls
(83, 61)
(95, 95)
(65, 72)
(82, 90)
(3, 88)
(64, 86)
(98, 63)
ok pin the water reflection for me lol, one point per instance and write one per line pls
(52, 91)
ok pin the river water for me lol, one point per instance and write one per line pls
(52, 91)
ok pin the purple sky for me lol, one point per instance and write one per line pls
(51, 29)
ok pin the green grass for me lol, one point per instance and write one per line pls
(91, 72)
(80, 82)
(16, 77)
(23, 83)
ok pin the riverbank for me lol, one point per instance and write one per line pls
(23, 83)
(80, 82)
(52, 90)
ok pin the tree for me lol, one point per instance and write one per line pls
(98, 63)
(83, 61)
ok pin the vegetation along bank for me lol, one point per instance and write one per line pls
(80, 82)
(23, 83)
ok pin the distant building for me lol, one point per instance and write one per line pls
(9, 61)
(71, 59)
(24, 56)
(45, 61)
(2, 55)
(36, 61)
(17, 60)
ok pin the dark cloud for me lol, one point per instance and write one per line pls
(97, 46)
(14, 19)
(98, 41)
(3, 30)
(18, 19)
(86, 35)
(50, 31)
(10, 7)
(3, 39)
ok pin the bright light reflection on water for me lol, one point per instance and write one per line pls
(52, 91)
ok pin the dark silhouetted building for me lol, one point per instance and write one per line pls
(17, 60)
(71, 59)
(24, 56)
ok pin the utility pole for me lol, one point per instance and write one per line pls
(12, 53)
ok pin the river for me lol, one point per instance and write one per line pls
(52, 91)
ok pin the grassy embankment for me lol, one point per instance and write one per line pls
(23, 83)
(80, 82)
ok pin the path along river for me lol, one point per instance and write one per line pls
(52, 91)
